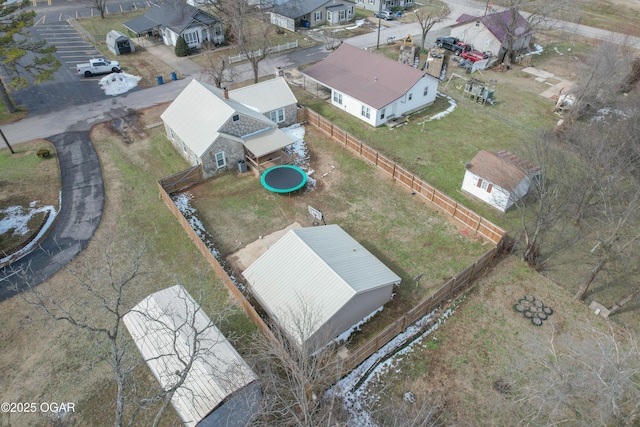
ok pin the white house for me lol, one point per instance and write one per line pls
(371, 87)
(175, 18)
(317, 282)
(386, 4)
(499, 179)
(293, 14)
(210, 129)
(490, 32)
(273, 98)
(219, 388)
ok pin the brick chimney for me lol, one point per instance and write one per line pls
(225, 93)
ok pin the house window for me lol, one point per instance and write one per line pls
(319, 16)
(366, 112)
(191, 38)
(184, 147)
(171, 137)
(485, 185)
(426, 91)
(236, 117)
(337, 97)
(343, 15)
(382, 112)
(220, 160)
(350, 10)
(329, 18)
(277, 115)
(410, 96)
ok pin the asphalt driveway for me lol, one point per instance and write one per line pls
(82, 201)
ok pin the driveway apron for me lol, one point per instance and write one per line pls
(81, 204)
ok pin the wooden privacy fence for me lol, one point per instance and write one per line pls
(222, 274)
(181, 180)
(426, 191)
(453, 287)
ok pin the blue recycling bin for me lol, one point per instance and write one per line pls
(160, 81)
(174, 76)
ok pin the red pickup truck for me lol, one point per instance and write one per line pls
(474, 55)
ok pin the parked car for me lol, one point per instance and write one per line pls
(98, 66)
(384, 14)
(474, 55)
(453, 44)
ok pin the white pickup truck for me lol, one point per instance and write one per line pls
(98, 66)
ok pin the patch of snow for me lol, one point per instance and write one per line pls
(353, 388)
(183, 203)
(452, 106)
(359, 23)
(538, 50)
(346, 334)
(118, 83)
(16, 218)
(299, 148)
(557, 51)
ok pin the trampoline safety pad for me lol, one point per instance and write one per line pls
(283, 179)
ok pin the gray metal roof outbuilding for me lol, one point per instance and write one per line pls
(166, 326)
(317, 282)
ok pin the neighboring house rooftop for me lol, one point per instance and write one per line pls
(370, 78)
(175, 15)
(502, 168)
(322, 267)
(265, 96)
(498, 23)
(164, 326)
(198, 113)
(296, 8)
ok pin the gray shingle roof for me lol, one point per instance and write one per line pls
(175, 15)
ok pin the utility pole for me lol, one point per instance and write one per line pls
(7, 142)
(379, 23)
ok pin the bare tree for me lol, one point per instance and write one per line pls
(427, 19)
(103, 286)
(96, 304)
(544, 207)
(217, 69)
(295, 372)
(249, 29)
(99, 5)
(607, 70)
(590, 381)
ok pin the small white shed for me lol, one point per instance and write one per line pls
(499, 179)
(118, 43)
(219, 388)
(317, 282)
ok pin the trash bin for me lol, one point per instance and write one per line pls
(160, 81)
(174, 76)
(242, 166)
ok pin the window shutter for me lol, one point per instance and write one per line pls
(489, 187)
(479, 183)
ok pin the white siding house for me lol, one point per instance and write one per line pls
(317, 282)
(499, 179)
(490, 32)
(371, 87)
(219, 386)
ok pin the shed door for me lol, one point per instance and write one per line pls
(124, 46)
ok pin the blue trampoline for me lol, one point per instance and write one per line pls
(283, 179)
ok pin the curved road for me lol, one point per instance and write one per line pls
(81, 204)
